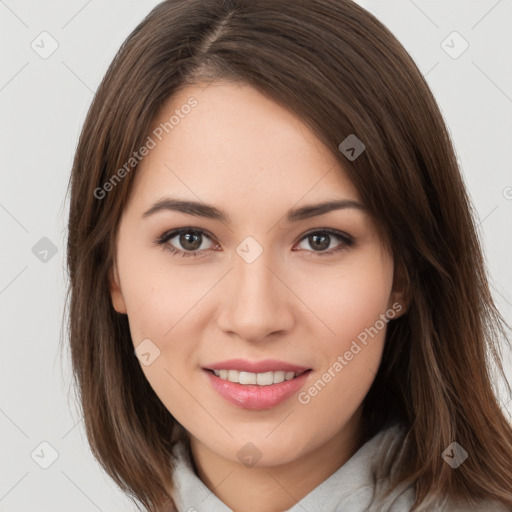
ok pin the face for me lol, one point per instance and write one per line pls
(240, 283)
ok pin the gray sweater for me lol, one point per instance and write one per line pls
(352, 488)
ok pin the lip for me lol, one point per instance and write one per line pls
(252, 396)
(266, 365)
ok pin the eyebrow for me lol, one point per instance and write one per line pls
(211, 212)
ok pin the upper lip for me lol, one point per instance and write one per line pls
(267, 365)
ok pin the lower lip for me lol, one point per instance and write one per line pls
(252, 396)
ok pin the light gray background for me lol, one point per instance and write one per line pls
(43, 103)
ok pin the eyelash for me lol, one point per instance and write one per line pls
(346, 241)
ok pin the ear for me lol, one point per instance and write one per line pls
(115, 290)
(399, 299)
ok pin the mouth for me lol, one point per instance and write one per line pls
(257, 390)
(259, 379)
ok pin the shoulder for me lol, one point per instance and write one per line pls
(383, 449)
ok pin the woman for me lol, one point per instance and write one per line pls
(278, 299)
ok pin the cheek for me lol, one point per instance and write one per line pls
(349, 299)
(352, 303)
(159, 295)
(162, 304)
(364, 299)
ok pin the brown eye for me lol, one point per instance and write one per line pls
(321, 240)
(184, 241)
(190, 241)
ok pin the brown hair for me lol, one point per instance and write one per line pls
(342, 72)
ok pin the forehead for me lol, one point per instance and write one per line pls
(236, 144)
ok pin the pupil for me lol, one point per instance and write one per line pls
(323, 245)
(188, 243)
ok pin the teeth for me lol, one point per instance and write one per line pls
(261, 379)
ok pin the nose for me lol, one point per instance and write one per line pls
(257, 301)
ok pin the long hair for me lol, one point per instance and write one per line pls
(337, 68)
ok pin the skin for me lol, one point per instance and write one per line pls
(250, 157)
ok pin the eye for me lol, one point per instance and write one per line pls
(190, 239)
(321, 239)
